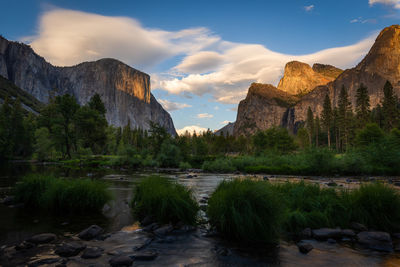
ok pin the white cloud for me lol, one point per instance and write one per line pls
(309, 8)
(393, 3)
(224, 122)
(171, 106)
(204, 116)
(191, 129)
(68, 37)
(209, 64)
(361, 20)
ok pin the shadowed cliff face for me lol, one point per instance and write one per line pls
(382, 63)
(125, 91)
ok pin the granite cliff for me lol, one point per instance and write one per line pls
(125, 91)
(382, 63)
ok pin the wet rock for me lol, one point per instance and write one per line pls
(91, 232)
(265, 178)
(92, 253)
(203, 200)
(358, 227)
(24, 245)
(69, 249)
(42, 238)
(332, 183)
(223, 251)
(118, 261)
(8, 200)
(106, 208)
(379, 241)
(145, 256)
(306, 233)
(145, 244)
(348, 233)
(103, 237)
(189, 176)
(151, 227)
(45, 261)
(304, 247)
(147, 220)
(325, 233)
(331, 241)
(164, 230)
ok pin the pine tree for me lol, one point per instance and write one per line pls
(327, 117)
(6, 140)
(317, 129)
(345, 113)
(17, 128)
(363, 110)
(310, 124)
(335, 127)
(389, 107)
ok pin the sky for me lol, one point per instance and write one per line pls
(203, 55)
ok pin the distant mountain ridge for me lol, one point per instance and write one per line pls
(260, 110)
(124, 90)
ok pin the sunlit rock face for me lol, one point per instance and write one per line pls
(382, 63)
(125, 91)
(299, 78)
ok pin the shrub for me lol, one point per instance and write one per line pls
(169, 155)
(246, 210)
(184, 165)
(62, 195)
(219, 165)
(377, 206)
(168, 202)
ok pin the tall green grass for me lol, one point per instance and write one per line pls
(246, 210)
(62, 195)
(168, 202)
(257, 211)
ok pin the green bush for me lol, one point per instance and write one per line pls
(62, 195)
(184, 165)
(377, 206)
(169, 155)
(222, 165)
(246, 210)
(168, 202)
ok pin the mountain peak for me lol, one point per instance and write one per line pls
(384, 56)
(299, 78)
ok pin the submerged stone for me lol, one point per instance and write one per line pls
(91, 232)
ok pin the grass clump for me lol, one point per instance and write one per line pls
(168, 202)
(62, 195)
(377, 206)
(246, 210)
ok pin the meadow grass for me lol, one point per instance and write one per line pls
(166, 201)
(62, 195)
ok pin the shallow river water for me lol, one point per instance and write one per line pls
(18, 224)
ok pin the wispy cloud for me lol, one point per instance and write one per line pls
(309, 8)
(191, 129)
(209, 65)
(362, 21)
(224, 122)
(392, 3)
(204, 116)
(171, 106)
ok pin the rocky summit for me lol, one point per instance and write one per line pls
(262, 110)
(299, 78)
(124, 90)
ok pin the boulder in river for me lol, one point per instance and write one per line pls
(304, 247)
(306, 233)
(92, 253)
(69, 249)
(326, 233)
(91, 232)
(42, 238)
(380, 241)
(121, 260)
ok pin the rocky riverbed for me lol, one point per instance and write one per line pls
(119, 240)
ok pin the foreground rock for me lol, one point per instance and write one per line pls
(326, 233)
(379, 241)
(304, 247)
(119, 261)
(92, 253)
(69, 249)
(92, 232)
(42, 238)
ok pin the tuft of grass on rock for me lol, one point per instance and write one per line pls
(246, 210)
(166, 201)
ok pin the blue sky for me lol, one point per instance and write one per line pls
(202, 55)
